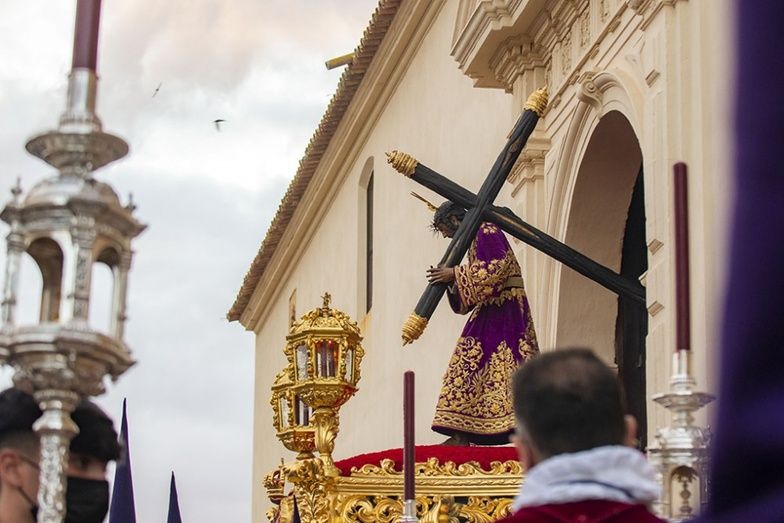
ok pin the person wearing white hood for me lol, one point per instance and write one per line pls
(576, 444)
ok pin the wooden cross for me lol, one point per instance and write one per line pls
(480, 208)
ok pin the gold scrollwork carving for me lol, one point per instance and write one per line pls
(432, 467)
(483, 509)
(327, 427)
(429, 509)
(311, 489)
(367, 509)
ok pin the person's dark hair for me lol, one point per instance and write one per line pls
(97, 437)
(445, 212)
(567, 401)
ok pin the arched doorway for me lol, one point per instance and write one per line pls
(607, 223)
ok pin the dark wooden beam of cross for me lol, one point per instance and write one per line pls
(484, 210)
(514, 225)
(461, 241)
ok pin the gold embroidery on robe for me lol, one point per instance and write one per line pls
(479, 280)
(528, 345)
(489, 228)
(473, 399)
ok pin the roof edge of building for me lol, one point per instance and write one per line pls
(347, 87)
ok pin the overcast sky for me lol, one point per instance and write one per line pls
(207, 196)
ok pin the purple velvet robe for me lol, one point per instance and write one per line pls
(747, 472)
(476, 398)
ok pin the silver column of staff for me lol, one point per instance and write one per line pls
(681, 450)
(67, 223)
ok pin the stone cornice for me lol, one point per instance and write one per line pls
(648, 9)
(501, 43)
(488, 16)
(504, 39)
(392, 58)
(516, 56)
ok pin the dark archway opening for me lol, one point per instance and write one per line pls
(632, 321)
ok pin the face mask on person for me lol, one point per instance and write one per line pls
(86, 500)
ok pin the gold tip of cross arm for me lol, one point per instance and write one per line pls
(537, 102)
(413, 328)
(403, 163)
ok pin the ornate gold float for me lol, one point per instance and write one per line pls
(446, 492)
(324, 353)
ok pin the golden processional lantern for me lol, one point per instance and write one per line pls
(292, 418)
(324, 354)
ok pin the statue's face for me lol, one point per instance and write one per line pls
(445, 230)
(448, 229)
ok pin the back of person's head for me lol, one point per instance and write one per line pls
(568, 401)
(19, 411)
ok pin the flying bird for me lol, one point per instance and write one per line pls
(217, 123)
(157, 89)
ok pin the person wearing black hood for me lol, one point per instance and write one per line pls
(87, 491)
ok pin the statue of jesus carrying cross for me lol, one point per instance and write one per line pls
(475, 404)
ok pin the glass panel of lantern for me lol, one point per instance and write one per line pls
(301, 356)
(302, 412)
(283, 405)
(349, 365)
(327, 358)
